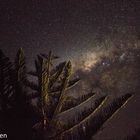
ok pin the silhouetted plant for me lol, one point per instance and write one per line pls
(21, 103)
(14, 111)
(89, 122)
(51, 87)
(62, 117)
(6, 88)
(55, 104)
(19, 80)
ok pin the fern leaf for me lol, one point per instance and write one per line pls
(92, 123)
(57, 74)
(79, 102)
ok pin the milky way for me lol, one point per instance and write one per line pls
(87, 32)
(69, 28)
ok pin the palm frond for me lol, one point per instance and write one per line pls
(92, 124)
(57, 73)
(67, 74)
(77, 103)
(70, 84)
(20, 66)
(82, 115)
(6, 86)
(73, 132)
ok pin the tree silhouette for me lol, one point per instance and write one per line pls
(19, 79)
(59, 115)
(6, 88)
(15, 115)
(51, 87)
(56, 105)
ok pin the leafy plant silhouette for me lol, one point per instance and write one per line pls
(6, 88)
(55, 104)
(61, 116)
(52, 84)
(15, 112)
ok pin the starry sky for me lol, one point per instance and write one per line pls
(67, 27)
(72, 29)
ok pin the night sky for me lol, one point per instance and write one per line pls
(72, 29)
(68, 27)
